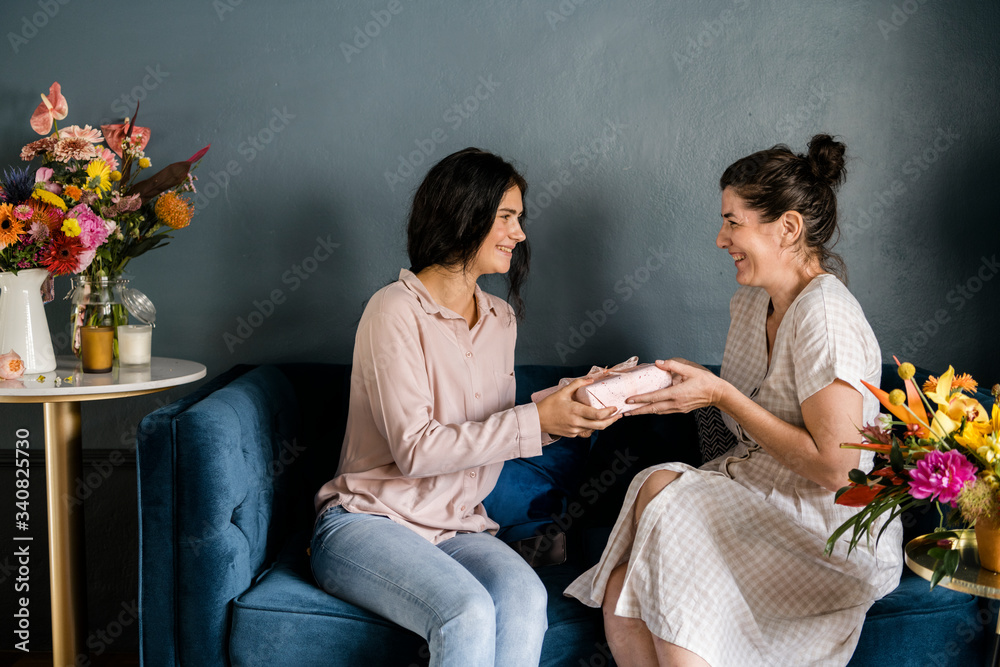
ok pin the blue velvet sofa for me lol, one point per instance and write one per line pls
(226, 481)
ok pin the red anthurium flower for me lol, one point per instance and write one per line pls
(887, 472)
(115, 134)
(859, 495)
(53, 107)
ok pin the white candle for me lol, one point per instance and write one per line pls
(134, 343)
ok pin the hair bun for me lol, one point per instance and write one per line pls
(826, 160)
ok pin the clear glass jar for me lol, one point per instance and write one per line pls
(97, 302)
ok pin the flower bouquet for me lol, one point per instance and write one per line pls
(85, 210)
(942, 446)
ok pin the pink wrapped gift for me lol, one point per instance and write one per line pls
(612, 386)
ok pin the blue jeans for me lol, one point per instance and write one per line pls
(475, 601)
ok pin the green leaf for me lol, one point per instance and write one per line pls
(857, 477)
(896, 457)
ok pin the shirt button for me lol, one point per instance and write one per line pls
(472, 474)
(468, 354)
(477, 394)
(462, 508)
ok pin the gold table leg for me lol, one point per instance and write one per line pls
(63, 466)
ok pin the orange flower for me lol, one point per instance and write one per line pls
(173, 210)
(10, 227)
(50, 216)
(73, 192)
(963, 381)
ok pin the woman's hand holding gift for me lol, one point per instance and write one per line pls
(561, 415)
(694, 386)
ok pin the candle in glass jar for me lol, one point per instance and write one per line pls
(97, 345)
(134, 343)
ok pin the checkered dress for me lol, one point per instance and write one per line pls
(728, 560)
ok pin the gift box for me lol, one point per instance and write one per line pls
(612, 386)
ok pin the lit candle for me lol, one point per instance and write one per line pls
(134, 343)
(97, 345)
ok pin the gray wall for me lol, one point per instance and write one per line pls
(622, 115)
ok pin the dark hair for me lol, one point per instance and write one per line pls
(454, 210)
(776, 180)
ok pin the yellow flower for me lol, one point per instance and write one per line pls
(98, 177)
(897, 397)
(49, 198)
(116, 176)
(953, 403)
(942, 425)
(70, 227)
(144, 163)
(906, 370)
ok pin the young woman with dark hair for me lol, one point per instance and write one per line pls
(401, 528)
(723, 564)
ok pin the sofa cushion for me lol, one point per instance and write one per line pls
(914, 626)
(285, 619)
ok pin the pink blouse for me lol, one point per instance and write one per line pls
(432, 416)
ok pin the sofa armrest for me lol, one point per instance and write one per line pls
(206, 495)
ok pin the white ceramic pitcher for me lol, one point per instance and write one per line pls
(23, 327)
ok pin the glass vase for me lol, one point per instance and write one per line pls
(97, 302)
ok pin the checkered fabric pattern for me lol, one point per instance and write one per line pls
(728, 560)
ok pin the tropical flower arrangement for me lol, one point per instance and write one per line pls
(84, 210)
(939, 444)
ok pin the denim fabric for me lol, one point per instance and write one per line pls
(474, 600)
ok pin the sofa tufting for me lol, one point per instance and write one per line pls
(226, 481)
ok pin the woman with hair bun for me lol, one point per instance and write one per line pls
(401, 529)
(723, 564)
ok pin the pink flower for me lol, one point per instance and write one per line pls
(85, 132)
(52, 107)
(115, 134)
(39, 231)
(109, 158)
(23, 212)
(44, 176)
(11, 366)
(93, 229)
(941, 475)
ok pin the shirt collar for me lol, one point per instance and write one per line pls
(430, 306)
